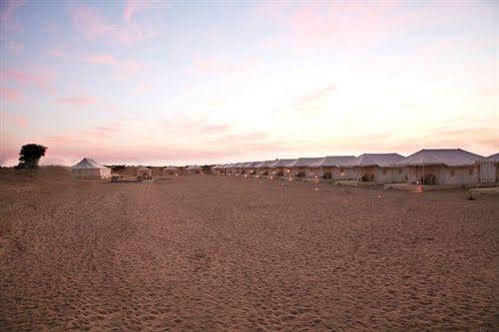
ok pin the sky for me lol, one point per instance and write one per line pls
(157, 82)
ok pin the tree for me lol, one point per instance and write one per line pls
(30, 155)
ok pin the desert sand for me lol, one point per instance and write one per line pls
(227, 253)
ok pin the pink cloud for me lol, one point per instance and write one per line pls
(217, 129)
(213, 65)
(9, 94)
(318, 94)
(92, 24)
(57, 53)
(102, 59)
(146, 87)
(9, 7)
(76, 101)
(134, 6)
(20, 121)
(41, 79)
(127, 67)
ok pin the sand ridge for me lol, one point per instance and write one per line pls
(215, 253)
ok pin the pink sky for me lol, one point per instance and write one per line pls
(155, 82)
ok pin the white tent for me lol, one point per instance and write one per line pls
(308, 167)
(170, 170)
(194, 169)
(442, 166)
(379, 167)
(340, 167)
(88, 168)
(283, 166)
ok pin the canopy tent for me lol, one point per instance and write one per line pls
(144, 172)
(378, 167)
(194, 169)
(442, 166)
(170, 170)
(340, 167)
(308, 167)
(88, 168)
(283, 166)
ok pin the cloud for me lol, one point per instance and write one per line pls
(215, 65)
(93, 25)
(146, 87)
(76, 101)
(57, 53)
(6, 13)
(319, 94)
(20, 121)
(127, 67)
(132, 7)
(9, 7)
(12, 95)
(41, 79)
(216, 128)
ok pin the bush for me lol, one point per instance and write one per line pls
(327, 176)
(300, 175)
(367, 178)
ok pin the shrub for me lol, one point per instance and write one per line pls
(327, 175)
(30, 155)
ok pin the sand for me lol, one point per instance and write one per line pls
(227, 253)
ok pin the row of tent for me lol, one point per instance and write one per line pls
(88, 168)
(427, 166)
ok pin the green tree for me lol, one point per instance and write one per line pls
(30, 155)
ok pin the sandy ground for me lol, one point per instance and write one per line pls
(214, 253)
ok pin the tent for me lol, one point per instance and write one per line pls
(194, 169)
(340, 167)
(442, 166)
(308, 167)
(144, 172)
(283, 167)
(88, 168)
(378, 167)
(263, 169)
(488, 169)
(170, 170)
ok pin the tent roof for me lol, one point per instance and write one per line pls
(246, 164)
(88, 163)
(309, 162)
(264, 164)
(377, 159)
(142, 168)
(171, 168)
(338, 161)
(448, 157)
(284, 163)
(193, 167)
(494, 157)
(254, 164)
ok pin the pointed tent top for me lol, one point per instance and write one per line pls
(447, 157)
(309, 162)
(378, 159)
(88, 163)
(338, 161)
(284, 163)
(494, 157)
